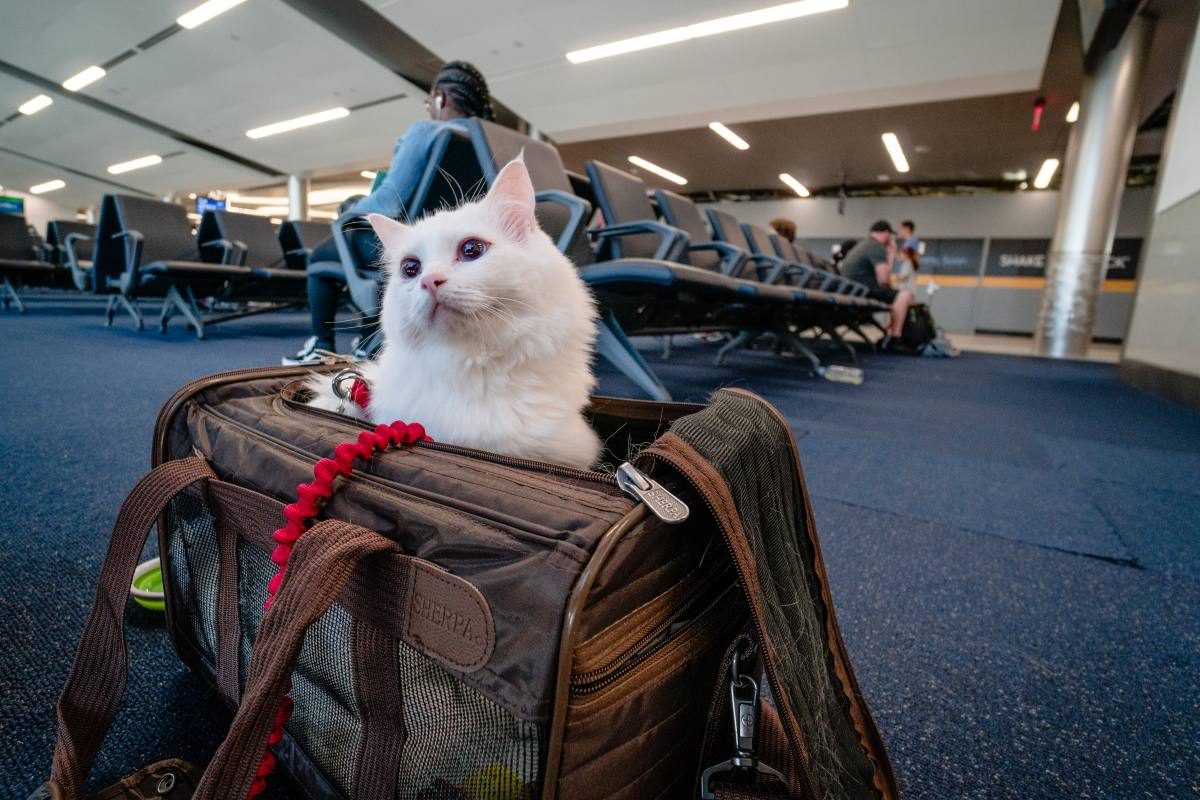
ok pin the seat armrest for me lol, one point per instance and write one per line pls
(80, 276)
(578, 208)
(231, 252)
(134, 242)
(771, 269)
(672, 241)
(732, 257)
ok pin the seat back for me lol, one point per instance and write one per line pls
(165, 228)
(452, 175)
(256, 233)
(57, 231)
(496, 145)
(785, 249)
(297, 238)
(622, 198)
(682, 213)
(16, 243)
(759, 240)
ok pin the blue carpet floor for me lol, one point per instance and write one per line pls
(1014, 548)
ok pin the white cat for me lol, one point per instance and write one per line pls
(488, 331)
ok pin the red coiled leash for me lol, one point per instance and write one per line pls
(299, 515)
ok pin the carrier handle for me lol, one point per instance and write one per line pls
(318, 570)
(92, 694)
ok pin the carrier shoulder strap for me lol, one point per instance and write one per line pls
(93, 691)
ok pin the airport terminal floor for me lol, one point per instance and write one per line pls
(1013, 545)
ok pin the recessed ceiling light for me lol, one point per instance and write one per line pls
(191, 195)
(795, 185)
(1046, 173)
(368, 174)
(893, 147)
(48, 186)
(1023, 185)
(299, 122)
(276, 221)
(735, 22)
(1015, 175)
(921, 148)
(137, 163)
(883, 178)
(84, 78)
(206, 11)
(650, 166)
(35, 105)
(1073, 112)
(728, 135)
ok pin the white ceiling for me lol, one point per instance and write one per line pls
(262, 62)
(874, 53)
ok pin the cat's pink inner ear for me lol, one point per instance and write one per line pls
(389, 231)
(511, 199)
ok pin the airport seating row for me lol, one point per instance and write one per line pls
(650, 277)
(657, 264)
(142, 247)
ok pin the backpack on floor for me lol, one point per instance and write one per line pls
(919, 327)
(458, 624)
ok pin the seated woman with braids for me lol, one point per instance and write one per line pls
(458, 92)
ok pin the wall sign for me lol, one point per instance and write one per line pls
(1027, 258)
(12, 205)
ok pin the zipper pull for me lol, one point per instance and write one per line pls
(638, 485)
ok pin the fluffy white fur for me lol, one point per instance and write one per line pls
(499, 356)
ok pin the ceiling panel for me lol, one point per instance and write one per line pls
(874, 53)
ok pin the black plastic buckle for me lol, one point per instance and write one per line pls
(744, 767)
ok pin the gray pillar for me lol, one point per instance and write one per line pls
(297, 197)
(1092, 184)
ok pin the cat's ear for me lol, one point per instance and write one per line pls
(511, 201)
(389, 231)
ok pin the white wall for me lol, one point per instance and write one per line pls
(1028, 214)
(1165, 328)
(39, 209)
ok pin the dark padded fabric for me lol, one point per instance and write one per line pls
(257, 233)
(725, 228)
(280, 274)
(165, 226)
(622, 198)
(195, 269)
(495, 146)
(682, 213)
(15, 242)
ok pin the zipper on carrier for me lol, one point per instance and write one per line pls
(668, 630)
(628, 478)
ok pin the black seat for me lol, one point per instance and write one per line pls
(702, 251)
(144, 248)
(66, 241)
(20, 259)
(299, 238)
(249, 240)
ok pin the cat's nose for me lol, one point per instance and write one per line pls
(432, 282)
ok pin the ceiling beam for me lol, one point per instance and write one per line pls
(128, 116)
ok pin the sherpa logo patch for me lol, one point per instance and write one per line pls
(446, 618)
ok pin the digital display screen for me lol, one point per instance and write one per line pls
(209, 204)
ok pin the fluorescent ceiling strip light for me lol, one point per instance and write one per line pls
(736, 22)
(35, 105)
(299, 122)
(1073, 112)
(48, 186)
(368, 174)
(137, 163)
(893, 147)
(324, 197)
(1046, 173)
(793, 184)
(650, 166)
(315, 214)
(84, 78)
(728, 135)
(206, 11)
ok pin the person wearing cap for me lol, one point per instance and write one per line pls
(870, 263)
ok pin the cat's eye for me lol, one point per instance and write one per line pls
(410, 267)
(471, 249)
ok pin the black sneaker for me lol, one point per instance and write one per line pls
(310, 353)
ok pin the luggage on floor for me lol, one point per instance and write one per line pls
(458, 624)
(919, 327)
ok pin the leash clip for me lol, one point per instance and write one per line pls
(744, 766)
(340, 391)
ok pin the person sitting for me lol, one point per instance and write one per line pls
(459, 91)
(870, 263)
(785, 228)
(908, 259)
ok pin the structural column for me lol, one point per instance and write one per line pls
(1092, 184)
(297, 197)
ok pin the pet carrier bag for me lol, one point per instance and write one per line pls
(459, 624)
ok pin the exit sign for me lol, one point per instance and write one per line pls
(12, 205)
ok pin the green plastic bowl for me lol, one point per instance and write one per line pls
(147, 588)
